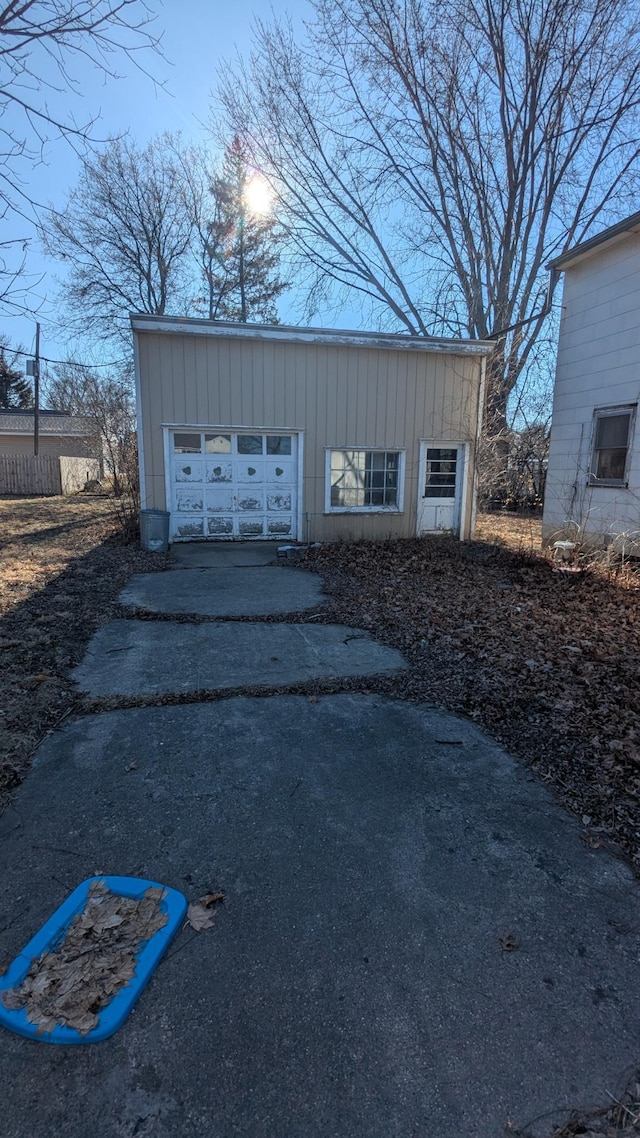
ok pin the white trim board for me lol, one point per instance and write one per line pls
(190, 326)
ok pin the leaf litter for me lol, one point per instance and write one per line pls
(200, 913)
(70, 985)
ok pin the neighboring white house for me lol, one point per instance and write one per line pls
(593, 481)
(270, 432)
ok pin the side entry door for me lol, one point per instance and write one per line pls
(440, 492)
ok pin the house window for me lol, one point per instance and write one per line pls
(612, 430)
(365, 480)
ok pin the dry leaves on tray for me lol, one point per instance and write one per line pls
(69, 986)
(200, 913)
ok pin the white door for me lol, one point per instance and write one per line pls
(226, 484)
(440, 490)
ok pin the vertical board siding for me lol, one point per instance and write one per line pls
(339, 396)
(30, 474)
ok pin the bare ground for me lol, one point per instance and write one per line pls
(61, 569)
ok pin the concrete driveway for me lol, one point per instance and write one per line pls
(415, 940)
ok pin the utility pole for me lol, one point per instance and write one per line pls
(36, 395)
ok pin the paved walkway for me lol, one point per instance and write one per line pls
(378, 860)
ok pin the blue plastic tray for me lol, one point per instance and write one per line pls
(114, 1014)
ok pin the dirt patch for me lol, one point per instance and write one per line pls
(61, 569)
(546, 661)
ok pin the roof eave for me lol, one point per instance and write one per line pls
(189, 326)
(612, 235)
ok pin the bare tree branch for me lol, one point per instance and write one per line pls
(432, 155)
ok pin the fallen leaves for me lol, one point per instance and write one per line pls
(547, 663)
(200, 913)
(70, 985)
(509, 942)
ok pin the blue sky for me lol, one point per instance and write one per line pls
(198, 34)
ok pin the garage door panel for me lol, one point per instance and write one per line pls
(280, 472)
(219, 471)
(249, 472)
(219, 499)
(251, 527)
(251, 501)
(188, 470)
(280, 527)
(220, 527)
(279, 502)
(189, 501)
(190, 527)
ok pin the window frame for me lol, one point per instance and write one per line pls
(599, 414)
(397, 509)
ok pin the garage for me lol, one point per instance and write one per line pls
(388, 423)
(228, 484)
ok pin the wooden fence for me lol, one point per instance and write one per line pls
(76, 472)
(45, 474)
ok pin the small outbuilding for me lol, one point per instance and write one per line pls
(75, 436)
(593, 481)
(267, 432)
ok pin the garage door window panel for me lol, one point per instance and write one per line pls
(187, 443)
(250, 444)
(279, 444)
(217, 444)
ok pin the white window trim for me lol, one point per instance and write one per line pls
(602, 413)
(329, 509)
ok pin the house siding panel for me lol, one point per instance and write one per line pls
(598, 367)
(339, 395)
(54, 446)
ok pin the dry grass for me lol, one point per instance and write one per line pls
(41, 536)
(61, 569)
(520, 532)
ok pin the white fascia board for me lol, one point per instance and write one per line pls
(188, 326)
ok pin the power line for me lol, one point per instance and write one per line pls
(69, 363)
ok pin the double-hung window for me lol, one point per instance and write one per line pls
(364, 480)
(611, 441)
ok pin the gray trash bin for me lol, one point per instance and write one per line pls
(154, 530)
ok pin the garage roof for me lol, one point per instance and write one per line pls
(189, 326)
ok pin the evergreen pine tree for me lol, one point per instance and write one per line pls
(15, 391)
(246, 241)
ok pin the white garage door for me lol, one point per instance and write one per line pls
(232, 485)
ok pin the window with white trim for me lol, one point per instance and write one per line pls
(364, 480)
(611, 441)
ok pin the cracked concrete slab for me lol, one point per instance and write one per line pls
(232, 591)
(373, 855)
(142, 658)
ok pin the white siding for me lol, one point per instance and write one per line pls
(598, 367)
